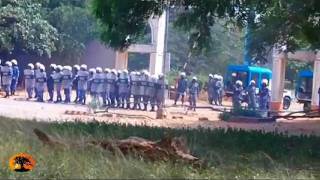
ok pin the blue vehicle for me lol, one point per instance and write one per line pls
(245, 74)
(303, 91)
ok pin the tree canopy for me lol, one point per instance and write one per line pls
(291, 23)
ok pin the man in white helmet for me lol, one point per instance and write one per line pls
(41, 80)
(75, 71)
(15, 76)
(92, 72)
(50, 81)
(145, 79)
(182, 86)
(237, 95)
(264, 94)
(83, 76)
(219, 89)
(151, 91)
(36, 73)
(67, 83)
(124, 85)
(6, 72)
(110, 87)
(251, 93)
(57, 78)
(98, 84)
(194, 90)
(134, 80)
(29, 80)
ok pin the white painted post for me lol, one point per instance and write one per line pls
(278, 78)
(316, 82)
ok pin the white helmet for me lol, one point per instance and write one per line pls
(99, 70)
(234, 74)
(14, 62)
(216, 76)
(114, 71)
(38, 64)
(194, 78)
(119, 71)
(53, 66)
(183, 74)
(83, 66)
(161, 75)
(59, 67)
(252, 82)
(210, 75)
(69, 68)
(125, 71)
(8, 63)
(92, 70)
(42, 67)
(265, 81)
(107, 70)
(77, 67)
(238, 82)
(133, 73)
(31, 66)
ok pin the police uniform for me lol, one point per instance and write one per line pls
(237, 95)
(123, 85)
(151, 90)
(6, 72)
(67, 83)
(210, 88)
(181, 88)
(219, 90)
(134, 88)
(251, 91)
(57, 78)
(29, 80)
(92, 73)
(143, 84)
(41, 79)
(83, 76)
(50, 82)
(110, 88)
(75, 80)
(193, 93)
(100, 81)
(264, 97)
(15, 76)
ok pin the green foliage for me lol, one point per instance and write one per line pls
(294, 67)
(23, 28)
(293, 23)
(230, 154)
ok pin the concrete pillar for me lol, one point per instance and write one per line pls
(278, 78)
(316, 82)
(152, 63)
(156, 66)
(121, 60)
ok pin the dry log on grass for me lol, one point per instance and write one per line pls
(167, 149)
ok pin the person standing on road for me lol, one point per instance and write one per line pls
(210, 89)
(15, 76)
(83, 76)
(220, 89)
(251, 92)
(6, 72)
(75, 80)
(67, 83)
(123, 84)
(91, 85)
(194, 90)
(50, 81)
(182, 86)
(134, 81)
(41, 80)
(264, 96)
(29, 80)
(57, 78)
(160, 91)
(237, 95)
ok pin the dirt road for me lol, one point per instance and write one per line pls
(177, 117)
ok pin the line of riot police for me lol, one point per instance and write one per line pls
(115, 88)
(9, 77)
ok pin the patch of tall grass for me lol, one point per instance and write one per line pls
(228, 153)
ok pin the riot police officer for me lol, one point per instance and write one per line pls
(194, 90)
(182, 86)
(134, 88)
(151, 90)
(15, 76)
(237, 95)
(219, 86)
(76, 69)
(91, 85)
(67, 83)
(144, 79)
(41, 79)
(251, 92)
(50, 81)
(6, 72)
(36, 72)
(57, 78)
(210, 89)
(123, 84)
(83, 76)
(111, 82)
(264, 95)
(29, 80)
(99, 82)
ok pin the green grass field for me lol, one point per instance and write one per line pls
(229, 154)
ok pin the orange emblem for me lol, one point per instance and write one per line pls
(22, 162)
